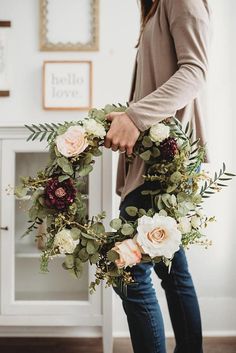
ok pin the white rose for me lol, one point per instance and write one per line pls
(129, 253)
(64, 241)
(93, 127)
(184, 225)
(72, 142)
(195, 221)
(159, 132)
(158, 235)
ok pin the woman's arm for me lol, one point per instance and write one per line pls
(189, 23)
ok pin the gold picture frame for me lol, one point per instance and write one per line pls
(91, 43)
(67, 85)
(4, 26)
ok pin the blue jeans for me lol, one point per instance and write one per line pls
(141, 305)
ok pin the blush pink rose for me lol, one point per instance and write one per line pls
(72, 142)
(129, 253)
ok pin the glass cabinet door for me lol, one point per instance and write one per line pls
(24, 288)
(30, 284)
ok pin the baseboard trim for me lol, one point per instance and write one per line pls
(18, 331)
(169, 334)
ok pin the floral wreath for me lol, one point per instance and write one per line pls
(58, 197)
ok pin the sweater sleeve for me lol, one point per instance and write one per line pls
(189, 24)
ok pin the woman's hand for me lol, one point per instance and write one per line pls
(122, 134)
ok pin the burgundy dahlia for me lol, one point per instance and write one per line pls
(59, 195)
(168, 148)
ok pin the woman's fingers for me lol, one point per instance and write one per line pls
(107, 142)
(114, 144)
(122, 134)
(129, 149)
(114, 147)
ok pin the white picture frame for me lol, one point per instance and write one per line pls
(69, 25)
(67, 85)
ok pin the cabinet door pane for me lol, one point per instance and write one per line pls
(30, 284)
(56, 297)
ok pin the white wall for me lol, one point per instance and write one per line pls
(212, 270)
(112, 64)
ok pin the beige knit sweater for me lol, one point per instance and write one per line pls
(169, 76)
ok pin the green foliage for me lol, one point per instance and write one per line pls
(131, 211)
(112, 255)
(43, 131)
(145, 155)
(85, 170)
(116, 223)
(147, 142)
(127, 229)
(172, 189)
(65, 165)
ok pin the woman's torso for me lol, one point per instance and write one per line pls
(155, 63)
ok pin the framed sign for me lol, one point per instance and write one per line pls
(67, 85)
(69, 25)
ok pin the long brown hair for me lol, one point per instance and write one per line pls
(148, 8)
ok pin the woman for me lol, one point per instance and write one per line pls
(170, 72)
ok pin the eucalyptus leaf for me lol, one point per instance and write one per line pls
(94, 258)
(91, 247)
(182, 209)
(173, 200)
(127, 229)
(98, 227)
(20, 192)
(65, 165)
(197, 198)
(85, 170)
(141, 211)
(87, 236)
(109, 108)
(157, 259)
(145, 155)
(97, 152)
(176, 177)
(171, 188)
(146, 258)
(83, 255)
(112, 255)
(147, 142)
(88, 158)
(69, 261)
(156, 152)
(75, 233)
(116, 223)
(84, 242)
(61, 178)
(131, 211)
(166, 198)
(146, 192)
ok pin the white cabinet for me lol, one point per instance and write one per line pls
(28, 297)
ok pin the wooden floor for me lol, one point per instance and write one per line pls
(94, 345)
(211, 345)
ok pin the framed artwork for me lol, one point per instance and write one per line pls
(4, 89)
(69, 25)
(67, 85)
